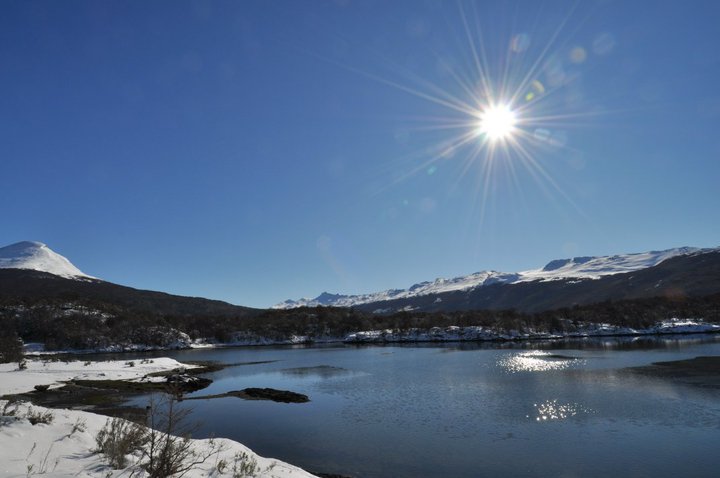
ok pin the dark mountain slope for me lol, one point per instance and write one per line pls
(30, 287)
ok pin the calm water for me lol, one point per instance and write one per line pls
(471, 410)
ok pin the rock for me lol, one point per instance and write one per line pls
(187, 383)
(284, 396)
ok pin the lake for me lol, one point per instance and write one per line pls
(468, 410)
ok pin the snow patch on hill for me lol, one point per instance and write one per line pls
(39, 257)
(596, 267)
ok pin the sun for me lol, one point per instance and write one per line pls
(497, 122)
(500, 112)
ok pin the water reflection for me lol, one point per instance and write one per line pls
(322, 371)
(607, 343)
(554, 410)
(537, 361)
(414, 411)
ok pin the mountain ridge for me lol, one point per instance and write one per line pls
(577, 268)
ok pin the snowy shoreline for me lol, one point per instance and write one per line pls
(475, 334)
(487, 334)
(415, 335)
(66, 446)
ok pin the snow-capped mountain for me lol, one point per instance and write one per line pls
(579, 268)
(38, 256)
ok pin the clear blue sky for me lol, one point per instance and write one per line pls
(256, 151)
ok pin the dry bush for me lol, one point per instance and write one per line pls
(170, 450)
(119, 438)
(164, 447)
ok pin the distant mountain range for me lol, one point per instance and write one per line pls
(32, 272)
(561, 283)
(44, 298)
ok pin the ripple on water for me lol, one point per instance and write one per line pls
(537, 361)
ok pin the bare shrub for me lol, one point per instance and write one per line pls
(80, 425)
(36, 417)
(169, 450)
(10, 408)
(119, 438)
(42, 467)
(164, 447)
(244, 465)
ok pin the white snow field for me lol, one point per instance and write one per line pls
(53, 373)
(66, 446)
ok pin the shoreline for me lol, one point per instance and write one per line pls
(65, 446)
(450, 334)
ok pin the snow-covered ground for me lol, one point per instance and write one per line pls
(575, 268)
(53, 373)
(66, 446)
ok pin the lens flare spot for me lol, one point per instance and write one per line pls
(520, 43)
(578, 55)
(538, 87)
(497, 122)
(604, 44)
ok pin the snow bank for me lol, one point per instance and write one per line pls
(65, 448)
(45, 372)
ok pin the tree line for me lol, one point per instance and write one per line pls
(91, 324)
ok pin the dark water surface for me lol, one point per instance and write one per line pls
(533, 409)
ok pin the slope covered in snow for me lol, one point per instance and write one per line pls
(64, 443)
(596, 267)
(574, 268)
(38, 256)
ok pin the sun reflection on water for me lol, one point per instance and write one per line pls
(537, 361)
(554, 410)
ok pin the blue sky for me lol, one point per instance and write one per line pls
(262, 150)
